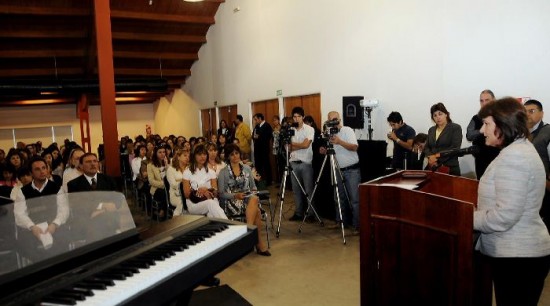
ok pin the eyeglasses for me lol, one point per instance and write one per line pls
(532, 111)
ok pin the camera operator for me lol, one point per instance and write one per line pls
(345, 145)
(301, 157)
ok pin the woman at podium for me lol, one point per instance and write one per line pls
(510, 193)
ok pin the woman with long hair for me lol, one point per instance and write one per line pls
(224, 130)
(513, 236)
(73, 170)
(174, 175)
(156, 171)
(214, 161)
(200, 185)
(236, 192)
(444, 135)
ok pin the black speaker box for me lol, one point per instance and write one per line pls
(352, 112)
(372, 158)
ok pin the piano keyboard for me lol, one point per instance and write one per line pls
(129, 278)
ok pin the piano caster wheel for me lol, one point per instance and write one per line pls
(277, 234)
(299, 230)
(322, 224)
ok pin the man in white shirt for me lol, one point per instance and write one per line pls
(300, 160)
(345, 150)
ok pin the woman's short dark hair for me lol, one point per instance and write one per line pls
(440, 107)
(230, 148)
(510, 119)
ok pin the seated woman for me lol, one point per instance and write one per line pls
(236, 182)
(200, 185)
(174, 175)
(214, 161)
(156, 171)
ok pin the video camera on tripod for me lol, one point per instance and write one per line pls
(330, 128)
(287, 132)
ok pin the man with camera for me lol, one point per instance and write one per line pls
(343, 140)
(300, 159)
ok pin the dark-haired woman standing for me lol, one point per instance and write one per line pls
(444, 135)
(513, 235)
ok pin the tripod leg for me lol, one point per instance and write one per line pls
(281, 197)
(343, 180)
(337, 193)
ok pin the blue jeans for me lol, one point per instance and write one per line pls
(352, 179)
(304, 172)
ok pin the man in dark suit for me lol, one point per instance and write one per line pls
(103, 211)
(91, 179)
(262, 135)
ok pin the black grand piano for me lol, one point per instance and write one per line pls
(97, 256)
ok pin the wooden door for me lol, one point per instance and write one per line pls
(227, 113)
(310, 103)
(268, 108)
(208, 118)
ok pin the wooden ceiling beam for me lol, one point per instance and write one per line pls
(43, 11)
(155, 55)
(159, 37)
(162, 17)
(152, 72)
(30, 34)
(40, 72)
(40, 53)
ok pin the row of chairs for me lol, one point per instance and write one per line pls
(266, 207)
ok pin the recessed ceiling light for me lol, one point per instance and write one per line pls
(192, 0)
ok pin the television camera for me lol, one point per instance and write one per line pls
(287, 131)
(330, 128)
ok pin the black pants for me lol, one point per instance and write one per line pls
(519, 281)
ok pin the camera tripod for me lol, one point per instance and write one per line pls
(281, 194)
(334, 170)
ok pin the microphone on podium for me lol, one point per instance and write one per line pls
(458, 152)
(444, 156)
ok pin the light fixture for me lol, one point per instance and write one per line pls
(193, 0)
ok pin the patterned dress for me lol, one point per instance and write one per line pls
(243, 182)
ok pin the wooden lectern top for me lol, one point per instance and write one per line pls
(416, 239)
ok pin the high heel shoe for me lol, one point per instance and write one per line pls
(263, 253)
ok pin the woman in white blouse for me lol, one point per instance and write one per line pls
(174, 175)
(214, 161)
(200, 185)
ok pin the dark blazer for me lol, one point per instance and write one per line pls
(450, 138)
(104, 183)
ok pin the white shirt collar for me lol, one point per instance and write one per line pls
(89, 178)
(39, 189)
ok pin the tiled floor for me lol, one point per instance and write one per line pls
(313, 267)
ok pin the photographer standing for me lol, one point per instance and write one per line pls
(301, 157)
(402, 136)
(345, 150)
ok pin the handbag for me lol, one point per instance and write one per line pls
(195, 198)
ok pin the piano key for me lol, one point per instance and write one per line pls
(76, 291)
(163, 269)
(75, 296)
(88, 285)
(59, 300)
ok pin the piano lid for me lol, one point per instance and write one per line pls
(45, 231)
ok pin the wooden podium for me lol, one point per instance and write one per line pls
(417, 241)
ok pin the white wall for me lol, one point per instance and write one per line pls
(409, 54)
